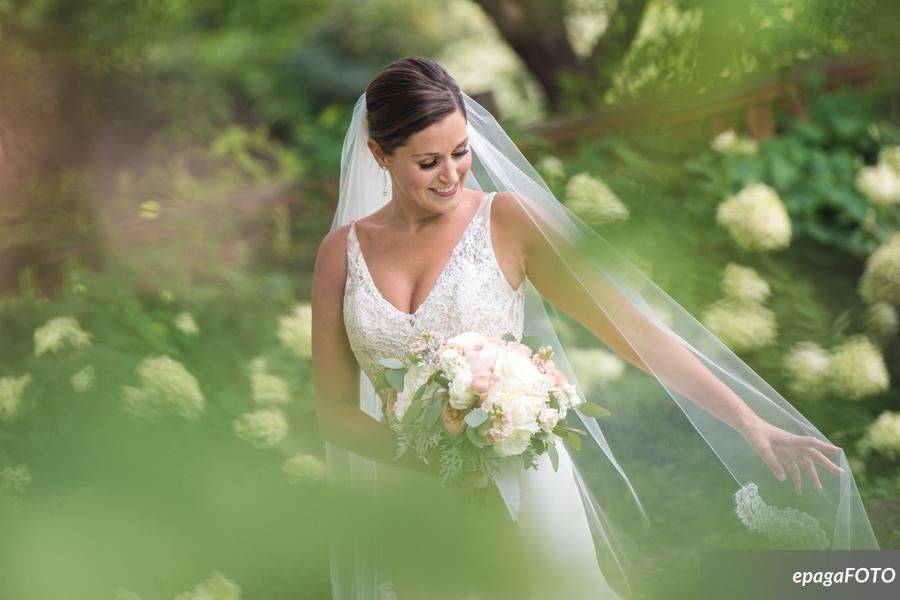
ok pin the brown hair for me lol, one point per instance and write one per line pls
(407, 96)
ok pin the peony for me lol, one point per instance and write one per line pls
(857, 369)
(295, 330)
(166, 386)
(264, 428)
(515, 443)
(59, 333)
(217, 587)
(756, 219)
(742, 326)
(883, 435)
(304, 469)
(806, 364)
(511, 363)
(743, 283)
(881, 280)
(880, 184)
(11, 389)
(593, 200)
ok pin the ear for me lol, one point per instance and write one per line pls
(377, 152)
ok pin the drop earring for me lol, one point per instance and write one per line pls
(384, 190)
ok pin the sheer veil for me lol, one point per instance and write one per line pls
(661, 474)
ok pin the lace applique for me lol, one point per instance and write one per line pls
(788, 526)
(386, 591)
(471, 293)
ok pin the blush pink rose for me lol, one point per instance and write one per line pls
(481, 357)
(520, 349)
(481, 383)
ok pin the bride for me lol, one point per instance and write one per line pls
(443, 226)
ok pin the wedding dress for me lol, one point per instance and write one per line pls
(471, 293)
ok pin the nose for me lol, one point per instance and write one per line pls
(448, 173)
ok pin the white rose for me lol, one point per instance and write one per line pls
(461, 397)
(512, 365)
(548, 419)
(514, 444)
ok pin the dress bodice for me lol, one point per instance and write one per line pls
(471, 293)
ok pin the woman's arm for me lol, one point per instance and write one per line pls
(582, 293)
(336, 372)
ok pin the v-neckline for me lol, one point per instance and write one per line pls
(365, 265)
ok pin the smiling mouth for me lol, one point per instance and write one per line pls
(446, 194)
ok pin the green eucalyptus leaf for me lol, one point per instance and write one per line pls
(434, 411)
(395, 377)
(554, 455)
(593, 410)
(476, 417)
(391, 363)
(473, 436)
(532, 341)
(574, 440)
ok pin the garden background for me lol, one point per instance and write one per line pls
(168, 169)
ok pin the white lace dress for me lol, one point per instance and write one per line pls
(471, 293)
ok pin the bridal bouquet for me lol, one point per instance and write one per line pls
(479, 400)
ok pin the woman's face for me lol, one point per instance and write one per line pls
(433, 161)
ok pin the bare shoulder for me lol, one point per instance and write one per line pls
(512, 221)
(331, 259)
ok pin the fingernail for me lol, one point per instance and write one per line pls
(781, 476)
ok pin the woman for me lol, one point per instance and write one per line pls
(467, 237)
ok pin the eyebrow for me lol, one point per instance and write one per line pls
(430, 153)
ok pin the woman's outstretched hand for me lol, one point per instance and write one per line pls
(777, 446)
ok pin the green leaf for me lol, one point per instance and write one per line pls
(593, 410)
(473, 436)
(395, 377)
(391, 363)
(574, 440)
(508, 337)
(434, 411)
(554, 455)
(532, 341)
(476, 417)
(415, 407)
(381, 381)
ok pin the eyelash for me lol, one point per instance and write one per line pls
(431, 165)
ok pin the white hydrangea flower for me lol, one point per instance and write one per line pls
(857, 369)
(11, 389)
(59, 333)
(744, 283)
(551, 167)
(265, 387)
(881, 280)
(14, 480)
(728, 142)
(788, 527)
(305, 469)
(890, 156)
(807, 364)
(883, 435)
(756, 218)
(264, 428)
(880, 183)
(83, 380)
(295, 330)
(217, 587)
(592, 199)
(881, 322)
(184, 322)
(595, 367)
(742, 326)
(166, 386)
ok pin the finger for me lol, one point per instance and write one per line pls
(773, 463)
(795, 475)
(810, 468)
(825, 446)
(824, 461)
